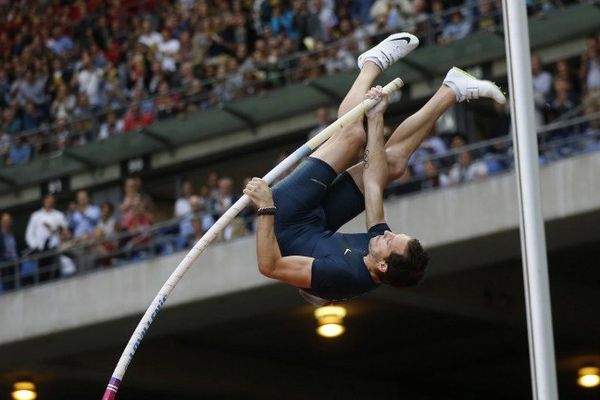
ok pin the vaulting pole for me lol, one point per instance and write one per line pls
(533, 240)
(160, 299)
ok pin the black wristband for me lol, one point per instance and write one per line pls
(266, 211)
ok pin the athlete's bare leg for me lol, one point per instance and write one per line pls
(342, 149)
(458, 86)
(409, 135)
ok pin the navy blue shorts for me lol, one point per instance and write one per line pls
(311, 202)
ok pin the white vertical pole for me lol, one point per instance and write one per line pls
(533, 240)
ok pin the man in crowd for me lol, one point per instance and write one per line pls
(84, 219)
(8, 253)
(42, 234)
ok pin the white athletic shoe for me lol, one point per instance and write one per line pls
(390, 50)
(467, 87)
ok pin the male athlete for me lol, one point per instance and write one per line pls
(296, 236)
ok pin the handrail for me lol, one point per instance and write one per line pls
(154, 229)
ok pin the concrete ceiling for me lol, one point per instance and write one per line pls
(460, 335)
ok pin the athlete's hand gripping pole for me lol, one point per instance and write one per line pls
(160, 299)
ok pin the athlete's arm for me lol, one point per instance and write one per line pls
(295, 270)
(375, 173)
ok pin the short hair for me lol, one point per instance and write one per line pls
(407, 269)
(109, 205)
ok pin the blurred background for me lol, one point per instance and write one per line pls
(127, 127)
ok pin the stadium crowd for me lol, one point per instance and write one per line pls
(74, 71)
(87, 236)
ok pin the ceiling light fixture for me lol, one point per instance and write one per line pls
(24, 390)
(330, 319)
(589, 377)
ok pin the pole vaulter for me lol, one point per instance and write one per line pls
(160, 299)
(383, 262)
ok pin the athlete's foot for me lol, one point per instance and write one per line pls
(390, 50)
(467, 87)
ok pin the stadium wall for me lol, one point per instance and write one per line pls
(450, 222)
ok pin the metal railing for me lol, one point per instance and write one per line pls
(164, 238)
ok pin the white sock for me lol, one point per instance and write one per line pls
(454, 88)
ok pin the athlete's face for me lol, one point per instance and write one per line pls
(382, 246)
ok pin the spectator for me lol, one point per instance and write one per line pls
(464, 170)
(542, 85)
(431, 176)
(457, 28)
(563, 100)
(168, 50)
(182, 205)
(132, 189)
(149, 37)
(564, 71)
(401, 15)
(379, 27)
(68, 252)
(5, 142)
(437, 19)
(224, 196)
(105, 234)
(497, 159)
(108, 224)
(111, 127)
(11, 124)
(42, 234)
(488, 18)
(590, 78)
(137, 221)
(305, 22)
(327, 19)
(85, 217)
(31, 88)
(135, 119)
(62, 134)
(561, 103)
(8, 252)
(63, 105)
(323, 122)
(4, 88)
(83, 111)
(89, 80)
(419, 18)
(31, 117)
(431, 147)
(59, 43)
(166, 102)
(186, 226)
(113, 98)
(212, 182)
(20, 151)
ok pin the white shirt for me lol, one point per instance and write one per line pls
(168, 50)
(542, 83)
(43, 226)
(593, 75)
(182, 207)
(108, 226)
(151, 39)
(459, 173)
(89, 83)
(106, 131)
